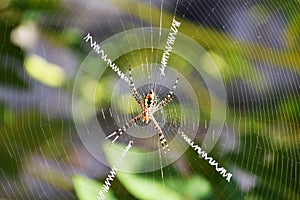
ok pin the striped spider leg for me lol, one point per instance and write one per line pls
(120, 131)
(149, 106)
(168, 98)
(136, 96)
(133, 90)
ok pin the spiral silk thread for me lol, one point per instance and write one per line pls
(210, 160)
(169, 45)
(165, 57)
(112, 173)
(104, 57)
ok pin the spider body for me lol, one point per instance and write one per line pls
(149, 106)
(150, 99)
(146, 117)
(149, 103)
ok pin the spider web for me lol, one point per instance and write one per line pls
(253, 44)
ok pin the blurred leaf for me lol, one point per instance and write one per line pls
(43, 71)
(289, 110)
(195, 187)
(253, 197)
(131, 162)
(86, 188)
(146, 188)
(72, 36)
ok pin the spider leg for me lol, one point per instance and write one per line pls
(161, 136)
(133, 90)
(168, 98)
(120, 131)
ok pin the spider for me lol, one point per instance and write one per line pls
(148, 106)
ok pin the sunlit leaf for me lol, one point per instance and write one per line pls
(86, 188)
(253, 197)
(195, 187)
(131, 162)
(43, 71)
(146, 188)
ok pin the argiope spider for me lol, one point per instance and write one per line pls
(149, 106)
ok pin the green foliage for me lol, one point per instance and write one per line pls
(195, 187)
(147, 188)
(86, 188)
(113, 154)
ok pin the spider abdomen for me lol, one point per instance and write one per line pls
(149, 99)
